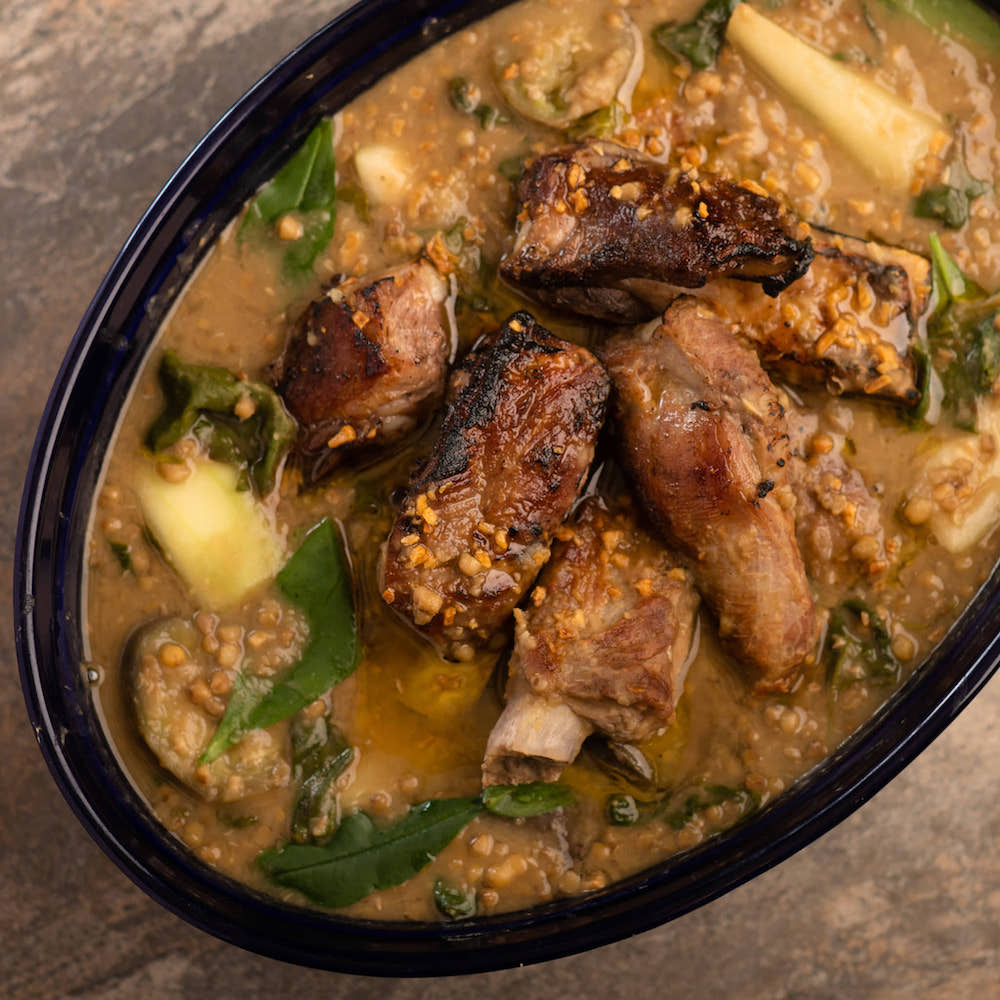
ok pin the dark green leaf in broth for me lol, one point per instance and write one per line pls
(320, 755)
(873, 28)
(452, 902)
(698, 41)
(237, 821)
(963, 343)
(859, 646)
(305, 185)
(677, 808)
(315, 579)
(705, 798)
(623, 810)
(362, 857)
(511, 167)
(600, 124)
(951, 202)
(354, 195)
(467, 98)
(532, 799)
(123, 553)
(201, 399)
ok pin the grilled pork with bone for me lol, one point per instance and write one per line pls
(475, 526)
(850, 322)
(604, 643)
(365, 364)
(596, 217)
(705, 440)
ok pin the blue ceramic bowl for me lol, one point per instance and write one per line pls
(241, 151)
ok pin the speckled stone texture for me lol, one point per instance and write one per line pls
(99, 101)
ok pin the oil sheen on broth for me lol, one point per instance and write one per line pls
(894, 489)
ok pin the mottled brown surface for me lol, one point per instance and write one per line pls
(599, 215)
(514, 448)
(848, 323)
(365, 364)
(100, 102)
(612, 626)
(705, 441)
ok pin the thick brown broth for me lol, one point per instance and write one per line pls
(420, 723)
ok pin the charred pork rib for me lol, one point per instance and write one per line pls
(515, 445)
(596, 216)
(706, 443)
(365, 364)
(604, 643)
(850, 322)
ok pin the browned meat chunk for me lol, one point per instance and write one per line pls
(604, 643)
(849, 322)
(365, 364)
(515, 445)
(596, 216)
(705, 440)
(837, 518)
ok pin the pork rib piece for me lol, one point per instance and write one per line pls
(705, 440)
(849, 323)
(603, 644)
(365, 364)
(515, 445)
(596, 216)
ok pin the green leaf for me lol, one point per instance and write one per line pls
(948, 280)
(677, 808)
(963, 343)
(710, 795)
(951, 202)
(532, 799)
(123, 553)
(961, 17)
(362, 857)
(316, 580)
(237, 821)
(600, 124)
(859, 647)
(623, 810)
(511, 167)
(454, 903)
(697, 41)
(320, 755)
(467, 98)
(354, 195)
(307, 186)
(201, 400)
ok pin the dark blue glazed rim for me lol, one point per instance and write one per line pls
(238, 154)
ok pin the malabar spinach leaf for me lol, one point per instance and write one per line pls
(306, 186)
(315, 579)
(202, 400)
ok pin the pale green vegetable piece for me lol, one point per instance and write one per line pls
(884, 134)
(974, 460)
(384, 173)
(177, 730)
(215, 535)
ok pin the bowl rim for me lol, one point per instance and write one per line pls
(49, 651)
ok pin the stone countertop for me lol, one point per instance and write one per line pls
(99, 101)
